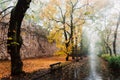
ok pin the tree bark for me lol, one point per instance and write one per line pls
(115, 36)
(108, 48)
(66, 44)
(15, 41)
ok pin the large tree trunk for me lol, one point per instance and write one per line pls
(14, 41)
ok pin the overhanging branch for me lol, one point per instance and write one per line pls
(6, 9)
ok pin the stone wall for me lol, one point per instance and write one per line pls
(35, 43)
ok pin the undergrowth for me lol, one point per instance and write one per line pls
(113, 61)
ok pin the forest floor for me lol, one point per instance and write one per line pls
(31, 65)
(38, 69)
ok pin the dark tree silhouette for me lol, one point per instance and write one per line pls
(115, 36)
(14, 41)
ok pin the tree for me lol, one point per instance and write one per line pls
(15, 41)
(109, 33)
(115, 35)
(67, 18)
(106, 40)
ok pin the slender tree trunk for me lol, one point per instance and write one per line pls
(107, 46)
(114, 42)
(66, 44)
(67, 57)
(110, 50)
(106, 50)
(72, 31)
(15, 41)
(115, 36)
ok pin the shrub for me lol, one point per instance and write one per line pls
(106, 56)
(114, 63)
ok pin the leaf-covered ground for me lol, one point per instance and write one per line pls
(38, 69)
(30, 65)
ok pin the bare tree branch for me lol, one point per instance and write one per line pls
(75, 3)
(56, 20)
(61, 11)
(6, 9)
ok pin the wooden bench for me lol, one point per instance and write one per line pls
(55, 66)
